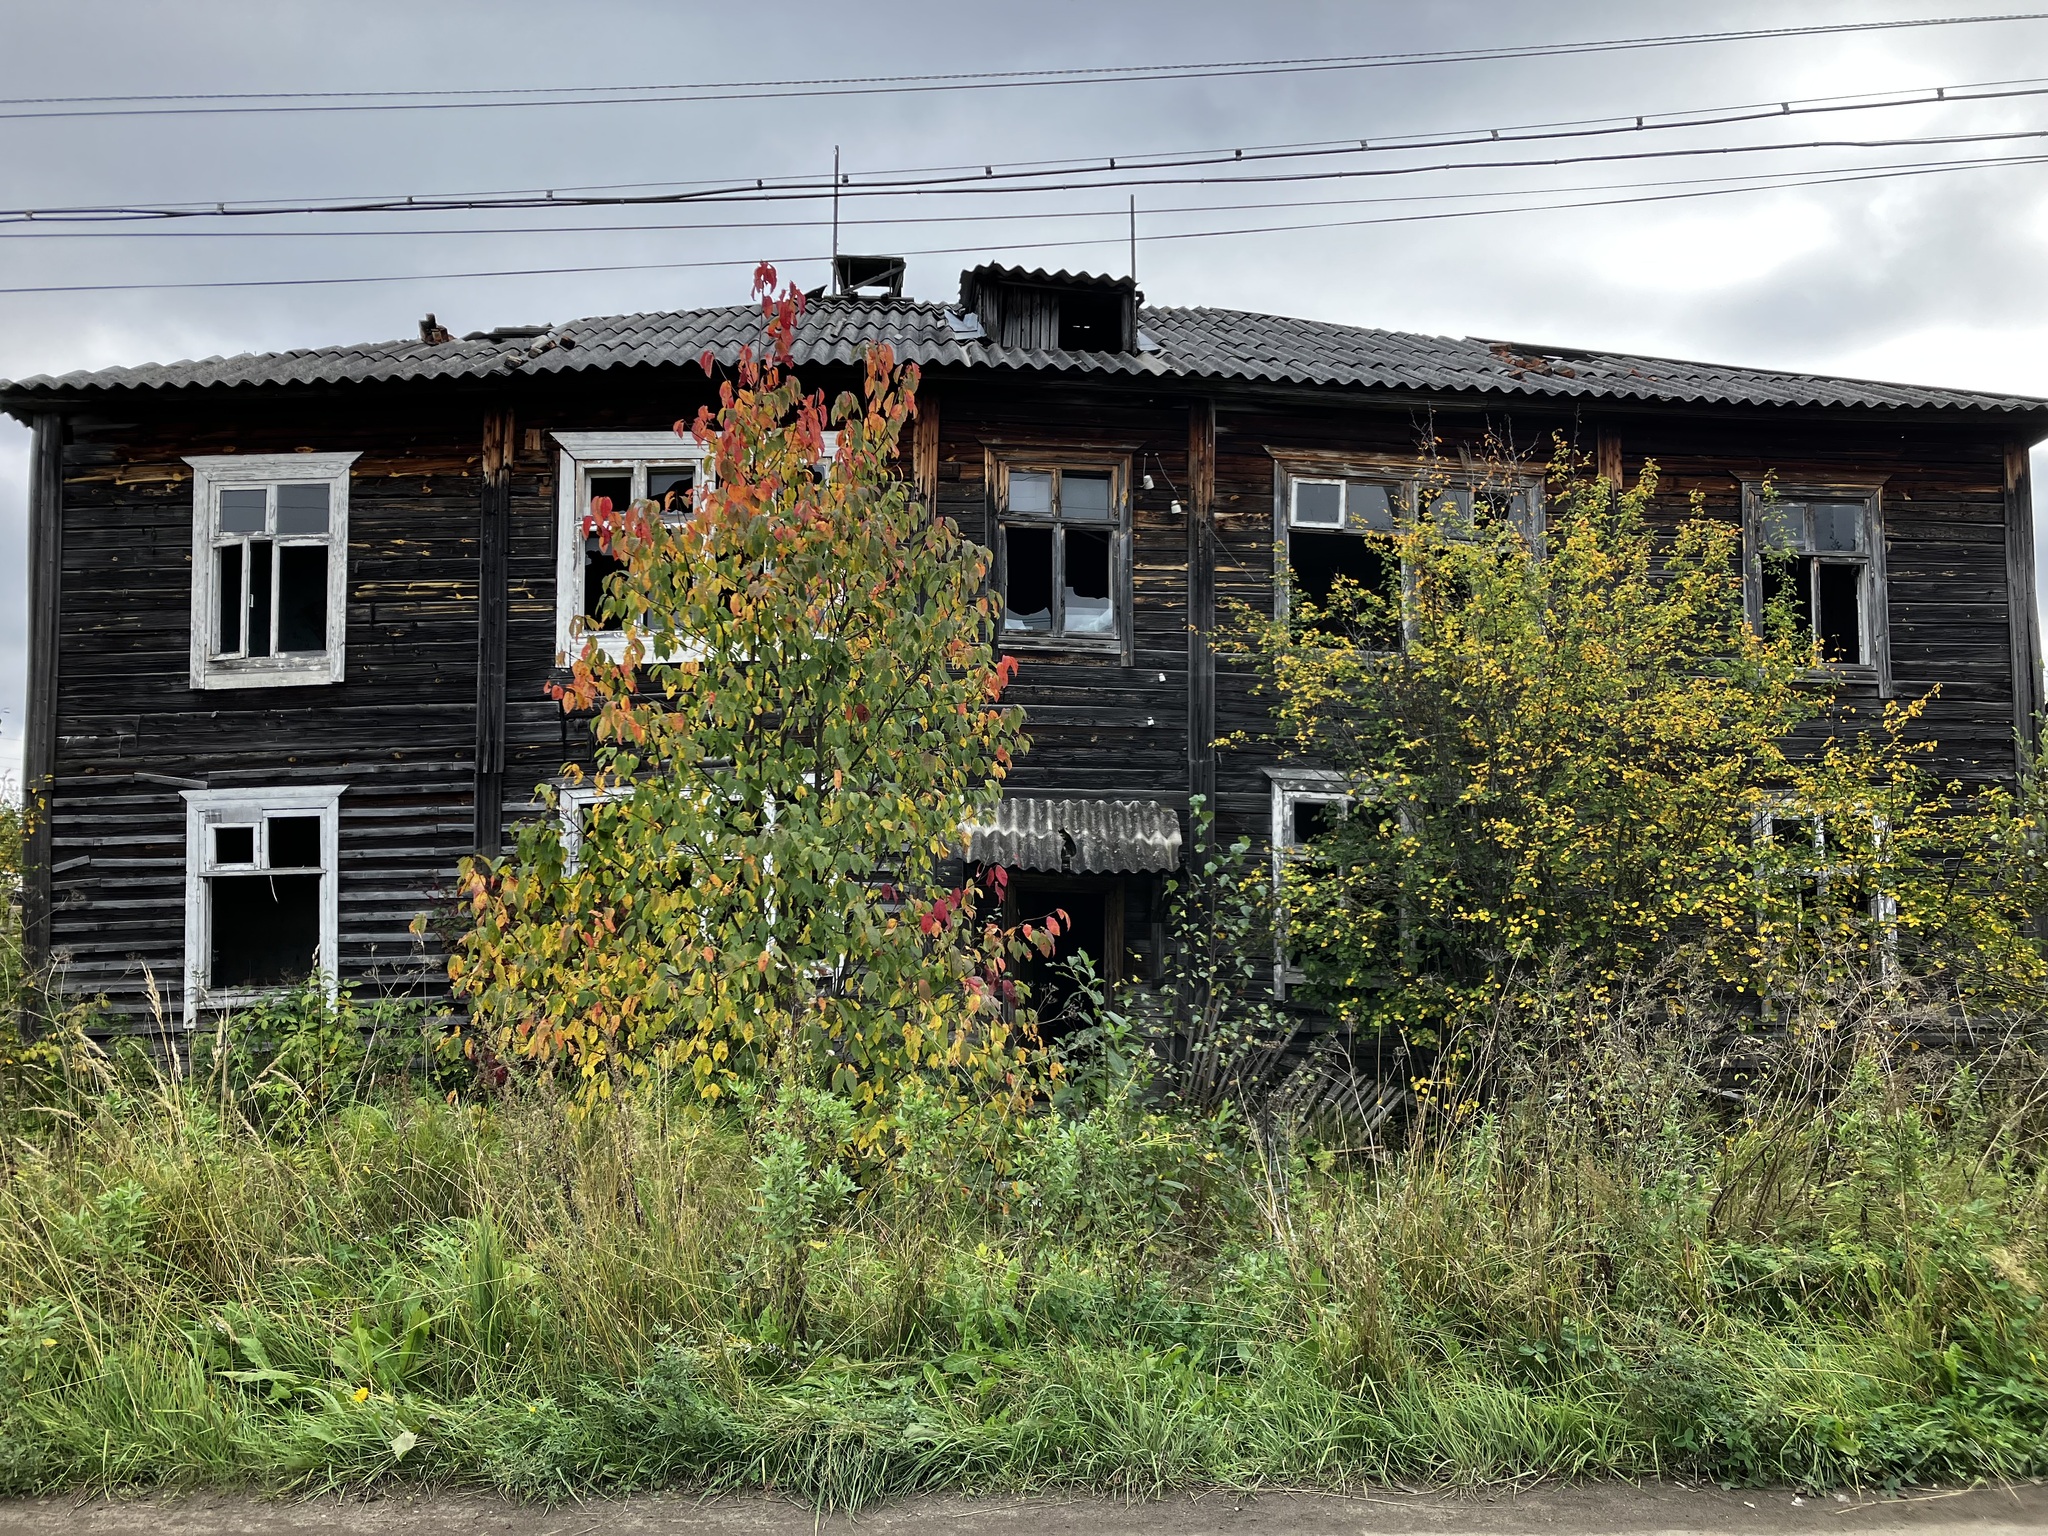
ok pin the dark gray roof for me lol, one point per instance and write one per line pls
(1079, 836)
(1187, 344)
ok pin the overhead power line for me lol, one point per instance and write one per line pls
(1026, 174)
(958, 187)
(213, 103)
(1201, 234)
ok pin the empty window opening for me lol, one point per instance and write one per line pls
(1340, 532)
(261, 908)
(1091, 924)
(1091, 322)
(1061, 543)
(1817, 560)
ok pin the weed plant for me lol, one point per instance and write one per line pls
(1636, 1239)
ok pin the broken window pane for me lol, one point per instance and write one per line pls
(259, 597)
(1317, 561)
(1836, 525)
(608, 493)
(243, 511)
(670, 489)
(266, 929)
(1030, 490)
(1318, 504)
(1840, 603)
(1086, 592)
(1084, 498)
(234, 845)
(301, 509)
(1027, 600)
(1370, 506)
(228, 590)
(302, 597)
(1312, 818)
(1792, 577)
(294, 842)
(1784, 525)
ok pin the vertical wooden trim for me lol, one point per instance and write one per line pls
(39, 764)
(493, 540)
(1201, 609)
(2025, 620)
(1607, 457)
(924, 449)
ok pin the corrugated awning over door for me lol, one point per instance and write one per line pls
(1079, 836)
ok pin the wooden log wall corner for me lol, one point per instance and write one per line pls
(493, 547)
(1607, 458)
(45, 570)
(1201, 607)
(2025, 617)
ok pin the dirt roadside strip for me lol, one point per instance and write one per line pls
(1657, 1509)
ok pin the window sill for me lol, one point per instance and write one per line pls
(1090, 645)
(310, 671)
(1860, 674)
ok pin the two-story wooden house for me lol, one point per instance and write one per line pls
(293, 613)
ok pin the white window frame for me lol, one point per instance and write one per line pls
(583, 454)
(1873, 584)
(208, 808)
(213, 473)
(1883, 906)
(1292, 787)
(1121, 641)
(573, 804)
(1408, 477)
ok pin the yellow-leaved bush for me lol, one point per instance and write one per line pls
(1585, 754)
(806, 713)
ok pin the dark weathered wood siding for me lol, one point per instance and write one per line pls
(430, 529)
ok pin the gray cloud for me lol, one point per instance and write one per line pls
(1933, 279)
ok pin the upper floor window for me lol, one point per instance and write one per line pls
(611, 471)
(1063, 553)
(269, 569)
(1821, 549)
(1336, 519)
(261, 904)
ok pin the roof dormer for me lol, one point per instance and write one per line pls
(1053, 311)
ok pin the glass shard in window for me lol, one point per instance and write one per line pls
(301, 597)
(301, 509)
(1084, 498)
(1836, 526)
(243, 511)
(228, 590)
(1027, 564)
(1086, 592)
(266, 929)
(1840, 605)
(1030, 490)
(259, 597)
(1370, 506)
(294, 842)
(1318, 504)
(669, 488)
(234, 845)
(1784, 525)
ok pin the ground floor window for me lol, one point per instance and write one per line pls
(261, 912)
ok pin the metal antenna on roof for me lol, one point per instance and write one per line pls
(1134, 237)
(835, 218)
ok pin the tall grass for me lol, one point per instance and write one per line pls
(1631, 1243)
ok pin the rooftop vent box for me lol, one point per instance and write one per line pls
(1041, 311)
(868, 277)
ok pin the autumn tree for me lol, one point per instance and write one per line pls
(805, 714)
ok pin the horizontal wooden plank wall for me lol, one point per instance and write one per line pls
(402, 730)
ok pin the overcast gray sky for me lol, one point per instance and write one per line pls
(1931, 278)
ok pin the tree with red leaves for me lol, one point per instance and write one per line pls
(806, 714)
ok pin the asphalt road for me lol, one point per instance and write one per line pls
(1662, 1509)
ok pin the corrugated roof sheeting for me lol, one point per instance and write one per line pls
(1079, 836)
(1208, 344)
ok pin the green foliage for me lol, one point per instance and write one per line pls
(1579, 755)
(806, 715)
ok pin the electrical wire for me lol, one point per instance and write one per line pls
(792, 261)
(1013, 174)
(218, 103)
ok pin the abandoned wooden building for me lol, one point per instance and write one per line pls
(293, 614)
